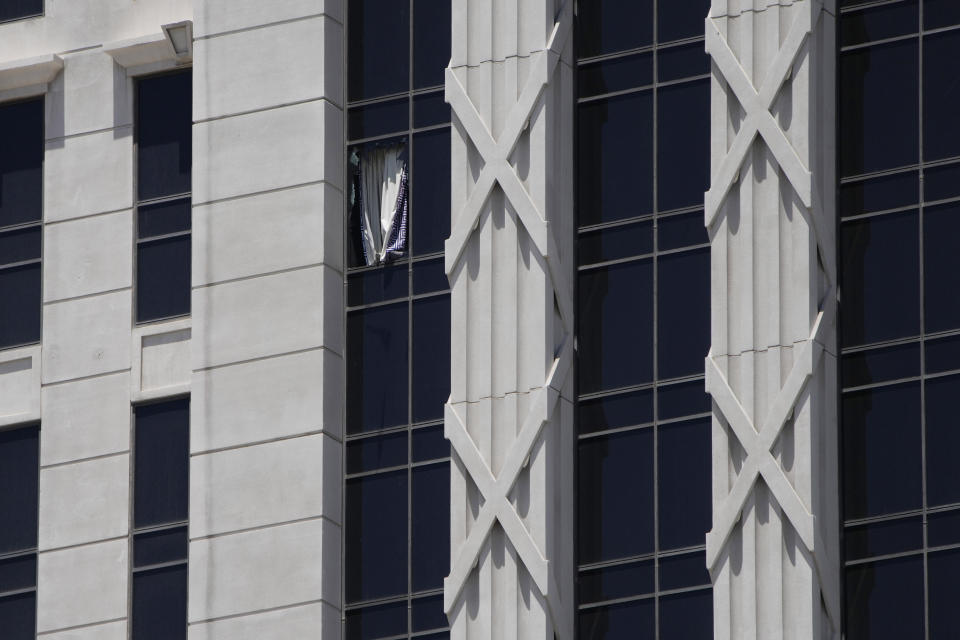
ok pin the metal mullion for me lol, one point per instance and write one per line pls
(626, 53)
(17, 592)
(866, 4)
(593, 435)
(685, 79)
(186, 195)
(655, 147)
(872, 43)
(160, 565)
(615, 94)
(376, 472)
(411, 210)
(22, 263)
(167, 526)
(883, 212)
(369, 435)
(431, 294)
(606, 393)
(23, 553)
(606, 603)
(883, 518)
(611, 263)
(883, 384)
(374, 305)
(896, 342)
(937, 30)
(385, 136)
(21, 226)
(890, 556)
(165, 236)
(366, 604)
(613, 224)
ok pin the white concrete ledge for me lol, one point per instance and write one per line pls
(29, 72)
(172, 45)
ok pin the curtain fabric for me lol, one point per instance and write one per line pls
(383, 202)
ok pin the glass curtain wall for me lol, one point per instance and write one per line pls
(900, 317)
(643, 320)
(397, 485)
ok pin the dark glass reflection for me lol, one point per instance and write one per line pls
(380, 452)
(18, 572)
(14, 10)
(943, 528)
(943, 440)
(163, 278)
(376, 536)
(616, 326)
(429, 443)
(19, 245)
(378, 119)
(880, 276)
(21, 160)
(160, 604)
(625, 621)
(683, 485)
(684, 399)
(687, 616)
(682, 571)
(429, 276)
(880, 365)
(430, 526)
(377, 285)
(607, 26)
(19, 614)
(163, 218)
(683, 144)
(381, 621)
(156, 547)
(942, 570)
(940, 183)
(20, 315)
(881, 451)
(883, 538)
(678, 20)
(164, 132)
(676, 232)
(683, 305)
(943, 354)
(885, 600)
(940, 13)
(430, 109)
(879, 94)
(431, 374)
(614, 243)
(618, 74)
(161, 459)
(615, 411)
(377, 368)
(431, 191)
(879, 23)
(615, 164)
(378, 48)
(941, 94)
(684, 61)
(614, 523)
(941, 265)
(431, 42)
(19, 474)
(427, 613)
(618, 581)
(879, 194)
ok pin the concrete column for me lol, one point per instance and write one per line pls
(773, 550)
(510, 263)
(267, 344)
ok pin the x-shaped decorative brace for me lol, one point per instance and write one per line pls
(760, 461)
(496, 489)
(759, 120)
(497, 168)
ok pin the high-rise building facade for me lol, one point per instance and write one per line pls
(479, 319)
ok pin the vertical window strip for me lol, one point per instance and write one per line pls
(19, 484)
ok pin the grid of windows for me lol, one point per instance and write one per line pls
(161, 484)
(397, 486)
(643, 321)
(900, 320)
(164, 122)
(21, 228)
(19, 481)
(17, 9)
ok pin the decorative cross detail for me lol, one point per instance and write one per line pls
(497, 170)
(759, 120)
(496, 489)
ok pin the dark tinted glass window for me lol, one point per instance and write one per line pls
(684, 450)
(941, 94)
(616, 326)
(614, 522)
(881, 277)
(683, 144)
(376, 536)
(940, 13)
(18, 615)
(164, 148)
(885, 600)
(19, 469)
(683, 299)
(942, 440)
(379, 41)
(634, 620)
(431, 193)
(431, 375)
(21, 162)
(161, 463)
(687, 615)
(431, 42)
(430, 526)
(164, 122)
(615, 158)
(880, 85)
(21, 198)
(941, 267)
(679, 20)
(377, 369)
(607, 26)
(14, 9)
(943, 570)
(160, 604)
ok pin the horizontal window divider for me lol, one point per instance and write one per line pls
(880, 345)
(886, 556)
(593, 435)
(399, 134)
(923, 164)
(366, 604)
(395, 96)
(626, 53)
(885, 383)
(164, 199)
(160, 565)
(646, 217)
(430, 462)
(887, 517)
(374, 472)
(638, 89)
(667, 553)
(161, 527)
(20, 226)
(883, 212)
(863, 45)
(22, 263)
(17, 592)
(406, 298)
(686, 418)
(165, 236)
(935, 203)
(405, 260)
(614, 601)
(642, 256)
(146, 323)
(25, 553)
(646, 386)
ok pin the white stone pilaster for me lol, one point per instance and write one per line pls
(510, 263)
(773, 549)
(267, 335)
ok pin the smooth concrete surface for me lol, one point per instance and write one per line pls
(313, 620)
(88, 173)
(19, 385)
(104, 631)
(91, 255)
